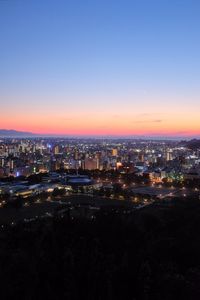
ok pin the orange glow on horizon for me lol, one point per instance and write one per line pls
(106, 132)
(109, 129)
(103, 123)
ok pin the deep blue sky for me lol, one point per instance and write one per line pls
(133, 60)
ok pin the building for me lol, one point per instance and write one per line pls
(114, 152)
(91, 163)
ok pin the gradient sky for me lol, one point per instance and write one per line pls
(107, 67)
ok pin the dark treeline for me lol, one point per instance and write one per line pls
(152, 253)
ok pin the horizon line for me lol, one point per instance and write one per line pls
(19, 133)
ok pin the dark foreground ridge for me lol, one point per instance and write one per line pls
(152, 253)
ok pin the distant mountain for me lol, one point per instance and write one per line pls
(14, 133)
(193, 144)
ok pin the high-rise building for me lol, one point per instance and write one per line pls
(141, 157)
(76, 154)
(169, 155)
(114, 152)
(91, 163)
(56, 150)
(2, 162)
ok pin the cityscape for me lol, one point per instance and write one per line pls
(100, 150)
(134, 173)
(142, 166)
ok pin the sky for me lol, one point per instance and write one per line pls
(100, 67)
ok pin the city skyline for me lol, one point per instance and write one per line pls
(100, 69)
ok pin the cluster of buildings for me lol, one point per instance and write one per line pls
(168, 160)
(49, 183)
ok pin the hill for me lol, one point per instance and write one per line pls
(14, 133)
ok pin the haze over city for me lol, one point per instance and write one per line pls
(100, 67)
